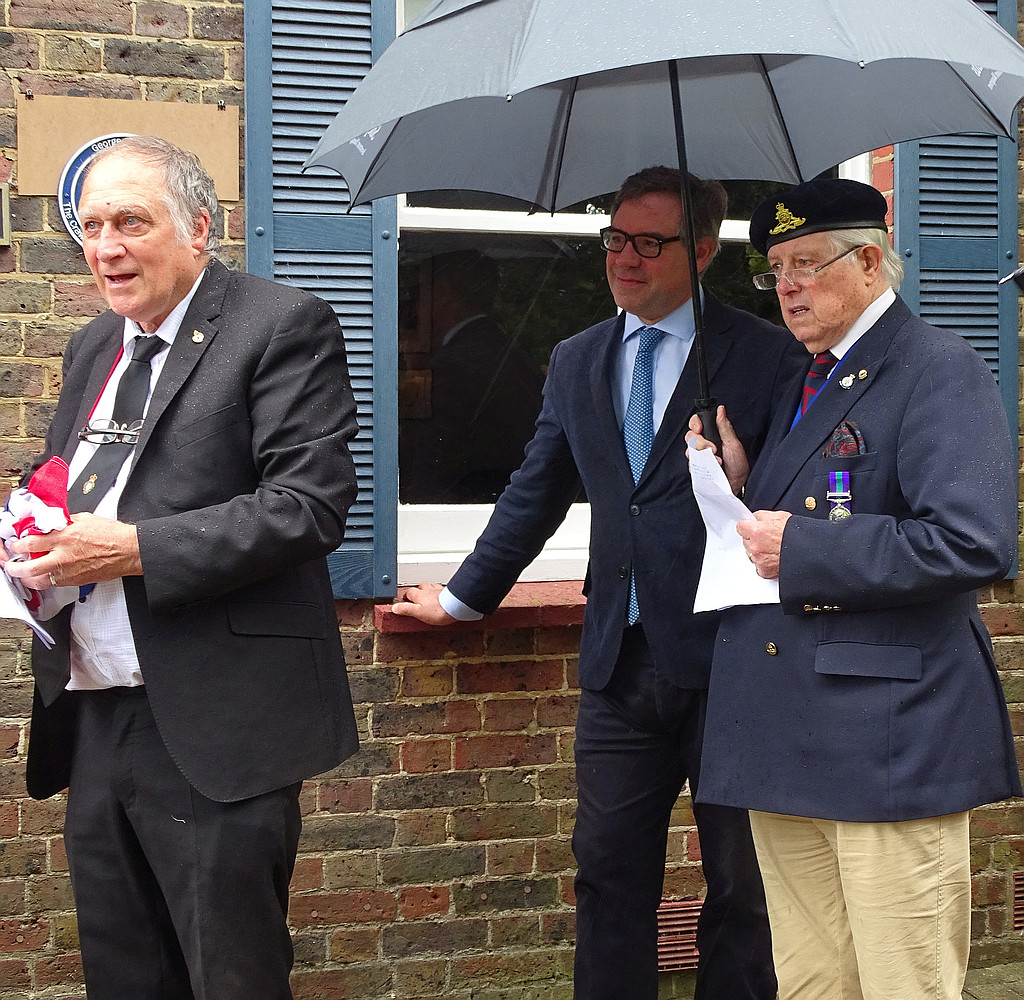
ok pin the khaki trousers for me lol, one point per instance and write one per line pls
(867, 911)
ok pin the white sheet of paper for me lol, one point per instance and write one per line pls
(12, 606)
(727, 576)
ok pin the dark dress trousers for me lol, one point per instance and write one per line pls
(239, 486)
(870, 693)
(638, 740)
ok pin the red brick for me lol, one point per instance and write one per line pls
(426, 756)
(354, 795)
(504, 751)
(557, 711)
(437, 645)
(1003, 619)
(10, 820)
(23, 935)
(508, 714)
(883, 175)
(308, 874)
(417, 902)
(322, 909)
(520, 675)
(989, 889)
(14, 973)
(10, 737)
(353, 613)
(511, 858)
(59, 971)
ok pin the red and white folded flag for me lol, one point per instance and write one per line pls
(38, 508)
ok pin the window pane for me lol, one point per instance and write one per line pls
(478, 317)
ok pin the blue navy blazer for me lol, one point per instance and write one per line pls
(870, 693)
(653, 528)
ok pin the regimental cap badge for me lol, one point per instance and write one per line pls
(785, 220)
(87, 486)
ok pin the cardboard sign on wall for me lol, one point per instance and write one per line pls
(52, 129)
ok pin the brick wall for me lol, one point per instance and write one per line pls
(437, 861)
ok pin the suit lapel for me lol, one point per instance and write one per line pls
(110, 342)
(718, 339)
(194, 336)
(602, 381)
(793, 448)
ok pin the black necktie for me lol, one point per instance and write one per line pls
(101, 470)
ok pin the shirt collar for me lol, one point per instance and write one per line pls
(864, 322)
(678, 323)
(168, 329)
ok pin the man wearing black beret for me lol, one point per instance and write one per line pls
(861, 717)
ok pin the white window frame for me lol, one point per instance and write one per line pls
(433, 539)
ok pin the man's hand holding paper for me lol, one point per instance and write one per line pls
(730, 572)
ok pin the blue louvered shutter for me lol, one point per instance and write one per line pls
(303, 58)
(956, 226)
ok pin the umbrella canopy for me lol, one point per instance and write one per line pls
(553, 102)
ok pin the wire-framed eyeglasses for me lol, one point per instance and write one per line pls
(110, 432)
(615, 240)
(799, 275)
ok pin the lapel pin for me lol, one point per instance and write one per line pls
(197, 336)
(87, 486)
(863, 373)
(846, 381)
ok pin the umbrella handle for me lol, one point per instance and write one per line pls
(707, 410)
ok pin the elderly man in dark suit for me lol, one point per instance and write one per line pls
(616, 403)
(860, 718)
(199, 678)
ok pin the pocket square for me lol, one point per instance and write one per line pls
(846, 440)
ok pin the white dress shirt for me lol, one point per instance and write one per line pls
(102, 647)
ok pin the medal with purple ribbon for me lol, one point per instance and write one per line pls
(839, 495)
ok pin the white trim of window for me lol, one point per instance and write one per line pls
(858, 169)
(461, 220)
(433, 539)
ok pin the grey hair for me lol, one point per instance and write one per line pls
(188, 188)
(846, 239)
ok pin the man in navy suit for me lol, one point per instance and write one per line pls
(201, 678)
(644, 657)
(860, 718)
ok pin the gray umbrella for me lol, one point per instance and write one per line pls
(556, 101)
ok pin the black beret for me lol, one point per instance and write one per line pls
(815, 207)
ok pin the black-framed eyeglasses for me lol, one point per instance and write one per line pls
(799, 275)
(110, 432)
(615, 240)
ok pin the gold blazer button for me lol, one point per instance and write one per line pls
(770, 648)
(810, 503)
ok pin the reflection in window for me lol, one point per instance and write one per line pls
(478, 318)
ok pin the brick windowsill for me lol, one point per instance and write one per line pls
(528, 605)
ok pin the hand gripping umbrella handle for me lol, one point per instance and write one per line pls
(707, 409)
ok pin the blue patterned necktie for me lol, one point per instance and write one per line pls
(638, 424)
